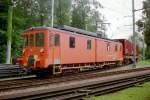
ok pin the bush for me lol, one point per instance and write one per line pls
(147, 53)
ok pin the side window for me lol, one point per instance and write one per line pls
(25, 40)
(120, 48)
(56, 40)
(39, 39)
(116, 47)
(89, 45)
(108, 46)
(72, 42)
(31, 40)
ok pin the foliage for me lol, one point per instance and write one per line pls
(30, 13)
(147, 52)
(86, 15)
(81, 10)
(138, 39)
(140, 25)
(143, 63)
(144, 25)
(3, 29)
(34, 12)
(62, 12)
(2, 46)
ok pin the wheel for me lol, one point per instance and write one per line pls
(41, 73)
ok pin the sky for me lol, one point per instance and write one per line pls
(119, 14)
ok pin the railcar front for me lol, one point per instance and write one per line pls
(35, 49)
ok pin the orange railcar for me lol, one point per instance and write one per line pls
(57, 50)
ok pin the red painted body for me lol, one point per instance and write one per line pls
(128, 49)
(101, 51)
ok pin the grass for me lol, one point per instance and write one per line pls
(141, 92)
(144, 62)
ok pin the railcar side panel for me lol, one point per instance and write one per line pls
(100, 50)
(79, 53)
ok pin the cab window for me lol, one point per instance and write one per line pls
(25, 40)
(39, 39)
(31, 40)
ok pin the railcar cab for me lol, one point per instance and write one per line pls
(34, 48)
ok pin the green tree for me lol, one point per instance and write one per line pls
(34, 12)
(86, 15)
(3, 29)
(146, 26)
(29, 13)
(62, 12)
(81, 10)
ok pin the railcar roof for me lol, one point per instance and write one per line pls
(120, 39)
(61, 29)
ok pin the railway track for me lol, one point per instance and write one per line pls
(34, 81)
(14, 81)
(9, 70)
(14, 71)
(73, 86)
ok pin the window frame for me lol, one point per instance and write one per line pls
(116, 47)
(31, 44)
(89, 44)
(56, 40)
(40, 43)
(120, 48)
(25, 42)
(108, 47)
(72, 42)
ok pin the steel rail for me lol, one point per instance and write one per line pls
(17, 84)
(9, 70)
(80, 88)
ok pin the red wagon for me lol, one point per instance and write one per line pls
(128, 50)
